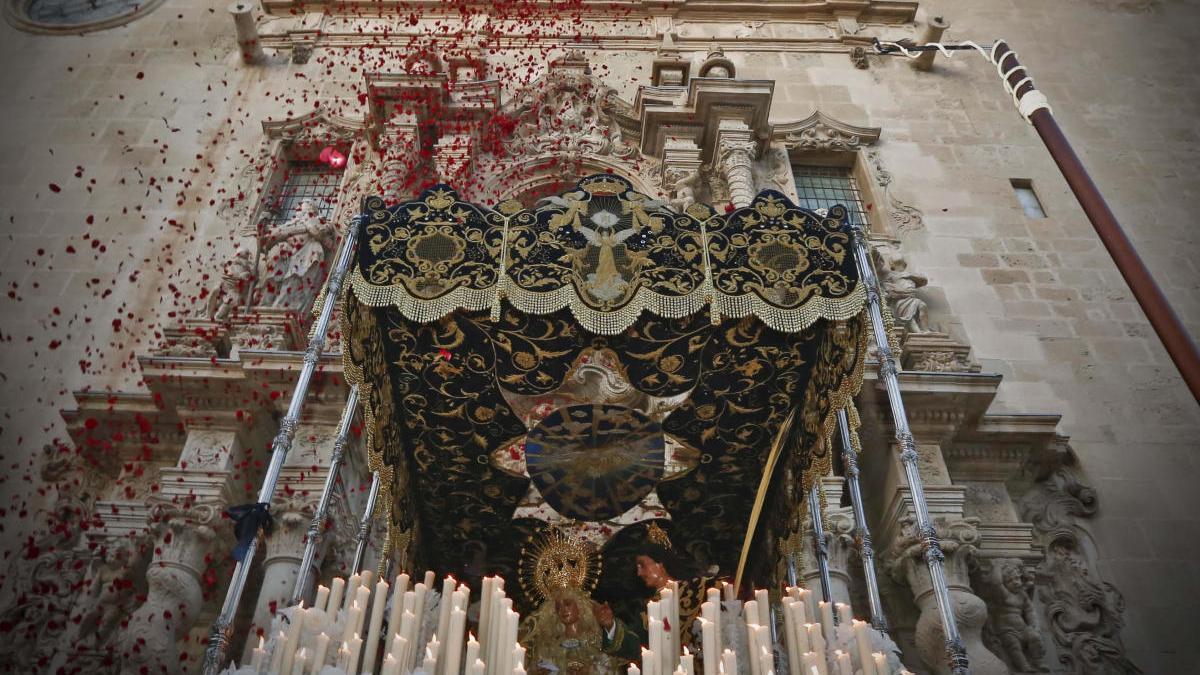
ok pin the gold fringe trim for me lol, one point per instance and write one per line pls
(613, 322)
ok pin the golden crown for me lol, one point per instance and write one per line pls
(658, 535)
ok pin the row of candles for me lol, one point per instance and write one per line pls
(807, 644)
(342, 611)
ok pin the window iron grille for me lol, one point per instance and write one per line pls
(305, 181)
(820, 187)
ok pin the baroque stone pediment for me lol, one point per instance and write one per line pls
(819, 131)
(568, 111)
(317, 126)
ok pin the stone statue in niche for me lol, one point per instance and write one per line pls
(1011, 615)
(231, 293)
(295, 253)
(682, 187)
(900, 286)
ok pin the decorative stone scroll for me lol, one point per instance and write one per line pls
(608, 253)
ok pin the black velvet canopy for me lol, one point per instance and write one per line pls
(739, 334)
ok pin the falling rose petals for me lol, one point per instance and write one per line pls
(55, 188)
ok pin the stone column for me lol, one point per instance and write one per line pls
(292, 509)
(398, 150)
(191, 535)
(959, 539)
(904, 559)
(452, 157)
(839, 542)
(735, 158)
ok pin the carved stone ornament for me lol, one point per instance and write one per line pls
(1012, 616)
(567, 113)
(1082, 612)
(900, 286)
(904, 217)
(819, 132)
(315, 128)
(959, 541)
(232, 291)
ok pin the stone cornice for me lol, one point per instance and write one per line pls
(870, 11)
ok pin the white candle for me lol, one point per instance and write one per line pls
(789, 635)
(708, 645)
(260, 655)
(764, 607)
(649, 661)
(395, 613)
(366, 578)
(452, 649)
(844, 613)
(477, 668)
(363, 600)
(673, 623)
(765, 661)
(293, 638)
(512, 620)
(752, 644)
(322, 600)
(390, 665)
(826, 620)
(300, 663)
(355, 651)
(728, 591)
(811, 612)
(863, 640)
(729, 662)
(350, 622)
(445, 604)
(811, 661)
(409, 627)
(518, 656)
(766, 658)
(818, 646)
(472, 651)
(843, 662)
(375, 628)
(351, 590)
(634, 670)
(420, 591)
(319, 652)
(429, 665)
(880, 662)
(343, 658)
(335, 598)
(654, 633)
(687, 662)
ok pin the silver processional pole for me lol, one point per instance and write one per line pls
(218, 639)
(364, 526)
(820, 546)
(317, 527)
(865, 550)
(956, 653)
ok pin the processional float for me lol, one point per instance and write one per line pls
(544, 389)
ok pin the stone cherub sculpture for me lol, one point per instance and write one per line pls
(900, 285)
(235, 283)
(683, 187)
(295, 253)
(1011, 614)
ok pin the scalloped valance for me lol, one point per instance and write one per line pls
(607, 253)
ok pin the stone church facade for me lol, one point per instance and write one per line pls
(1056, 439)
